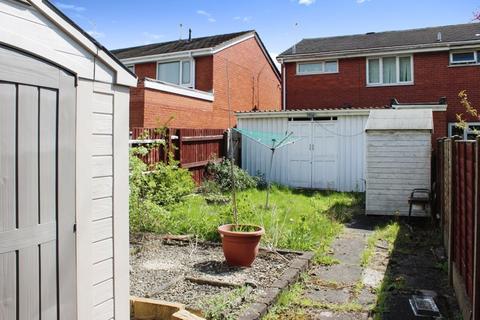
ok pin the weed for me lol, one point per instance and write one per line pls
(215, 307)
(387, 233)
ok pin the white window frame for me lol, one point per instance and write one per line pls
(322, 62)
(451, 125)
(463, 63)
(180, 61)
(397, 62)
(132, 66)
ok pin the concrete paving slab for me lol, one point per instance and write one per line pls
(372, 278)
(324, 315)
(339, 273)
(349, 248)
(329, 295)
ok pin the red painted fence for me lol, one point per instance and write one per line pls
(457, 198)
(193, 148)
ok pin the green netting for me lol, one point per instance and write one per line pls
(268, 139)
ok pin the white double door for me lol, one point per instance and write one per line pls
(312, 160)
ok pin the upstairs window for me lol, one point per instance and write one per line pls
(176, 72)
(390, 70)
(464, 57)
(471, 132)
(317, 67)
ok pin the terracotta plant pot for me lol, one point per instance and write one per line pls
(240, 248)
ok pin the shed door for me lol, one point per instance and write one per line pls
(37, 210)
(324, 158)
(300, 155)
(312, 160)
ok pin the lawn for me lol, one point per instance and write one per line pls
(299, 220)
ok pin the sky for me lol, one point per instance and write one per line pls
(280, 23)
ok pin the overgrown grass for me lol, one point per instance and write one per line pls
(287, 300)
(387, 233)
(299, 220)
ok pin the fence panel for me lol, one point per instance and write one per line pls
(193, 148)
(457, 197)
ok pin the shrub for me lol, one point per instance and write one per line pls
(152, 191)
(221, 174)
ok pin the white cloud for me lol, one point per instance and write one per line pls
(71, 7)
(274, 55)
(243, 19)
(306, 2)
(209, 16)
(149, 37)
(152, 36)
(362, 1)
(96, 34)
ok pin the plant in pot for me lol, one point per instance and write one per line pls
(240, 242)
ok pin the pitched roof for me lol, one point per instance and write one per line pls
(388, 39)
(177, 45)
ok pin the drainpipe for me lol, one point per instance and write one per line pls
(284, 89)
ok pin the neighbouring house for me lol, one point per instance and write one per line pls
(64, 248)
(330, 86)
(414, 68)
(191, 82)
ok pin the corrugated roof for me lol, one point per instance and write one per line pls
(392, 119)
(387, 39)
(310, 110)
(177, 45)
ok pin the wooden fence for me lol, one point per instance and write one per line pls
(193, 148)
(457, 199)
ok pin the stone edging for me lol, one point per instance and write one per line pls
(267, 299)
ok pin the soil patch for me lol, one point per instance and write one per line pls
(195, 274)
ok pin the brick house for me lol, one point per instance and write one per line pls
(191, 82)
(401, 69)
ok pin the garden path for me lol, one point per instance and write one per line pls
(344, 290)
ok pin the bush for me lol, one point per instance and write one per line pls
(152, 191)
(221, 174)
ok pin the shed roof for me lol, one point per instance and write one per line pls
(388, 39)
(400, 120)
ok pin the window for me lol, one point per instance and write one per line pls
(390, 70)
(466, 57)
(176, 72)
(317, 67)
(473, 130)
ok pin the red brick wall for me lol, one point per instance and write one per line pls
(253, 83)
(204, 73)
(160, 107)
(136, 105)
(146, 70)
(433, 78)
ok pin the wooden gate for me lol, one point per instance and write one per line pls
(37, 195)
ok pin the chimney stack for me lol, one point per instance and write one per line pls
(189, 34)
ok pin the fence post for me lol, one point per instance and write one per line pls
(453, 193)
(476, 253)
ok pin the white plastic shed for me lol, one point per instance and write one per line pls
(398, 151)
(64, 251)
(329, 155)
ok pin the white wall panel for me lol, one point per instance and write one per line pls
(397, 163)
(350, 143)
